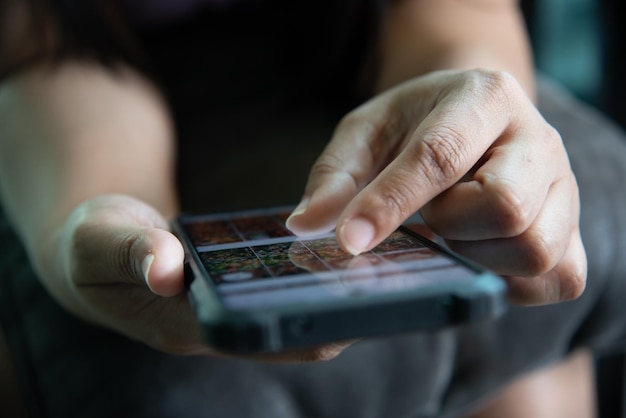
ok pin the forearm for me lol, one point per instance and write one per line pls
(74, 132)
(420, 36)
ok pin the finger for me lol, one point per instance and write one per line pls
(345, 165)
(108, 253)
(538, 249)
(446, 145)
(317, 213)
(114, 266)
(162, 266)
(506, 193)
(566, 281)
(118, 239)
(362, 145)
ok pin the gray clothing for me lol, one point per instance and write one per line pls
(254, 107)
(70, 369)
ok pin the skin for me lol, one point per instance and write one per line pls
(89, 184)
(466, 147)
(563, 390)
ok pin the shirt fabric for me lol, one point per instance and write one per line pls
(255, 95)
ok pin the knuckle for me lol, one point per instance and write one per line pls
(356, 121)
(553, 140)
(330, 165)
(552, 135)
(498, 86)
(510, 211)
(443, 150)
(540, 253)
(498, 82)
(121, 255)
(573, 283)
(397, 198)
(327, 163)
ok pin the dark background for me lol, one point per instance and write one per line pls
(582, 44)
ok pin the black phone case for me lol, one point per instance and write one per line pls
(279, 329)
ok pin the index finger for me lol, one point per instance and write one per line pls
(452, 138)
(363, 143)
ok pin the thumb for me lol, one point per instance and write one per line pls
(123, 241)
(148, 257)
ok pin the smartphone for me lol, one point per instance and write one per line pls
(256, 287)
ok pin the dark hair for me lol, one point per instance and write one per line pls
(96, 28)
(101, 30)
(57, 29)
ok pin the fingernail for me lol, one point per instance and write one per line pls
(299, 210)
(146, 265)
(357, 234)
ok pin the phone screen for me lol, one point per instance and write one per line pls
(255, 262)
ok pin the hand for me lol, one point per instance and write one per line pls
(126, 269)
(473, 154)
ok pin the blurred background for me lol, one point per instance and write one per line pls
(582, 45)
